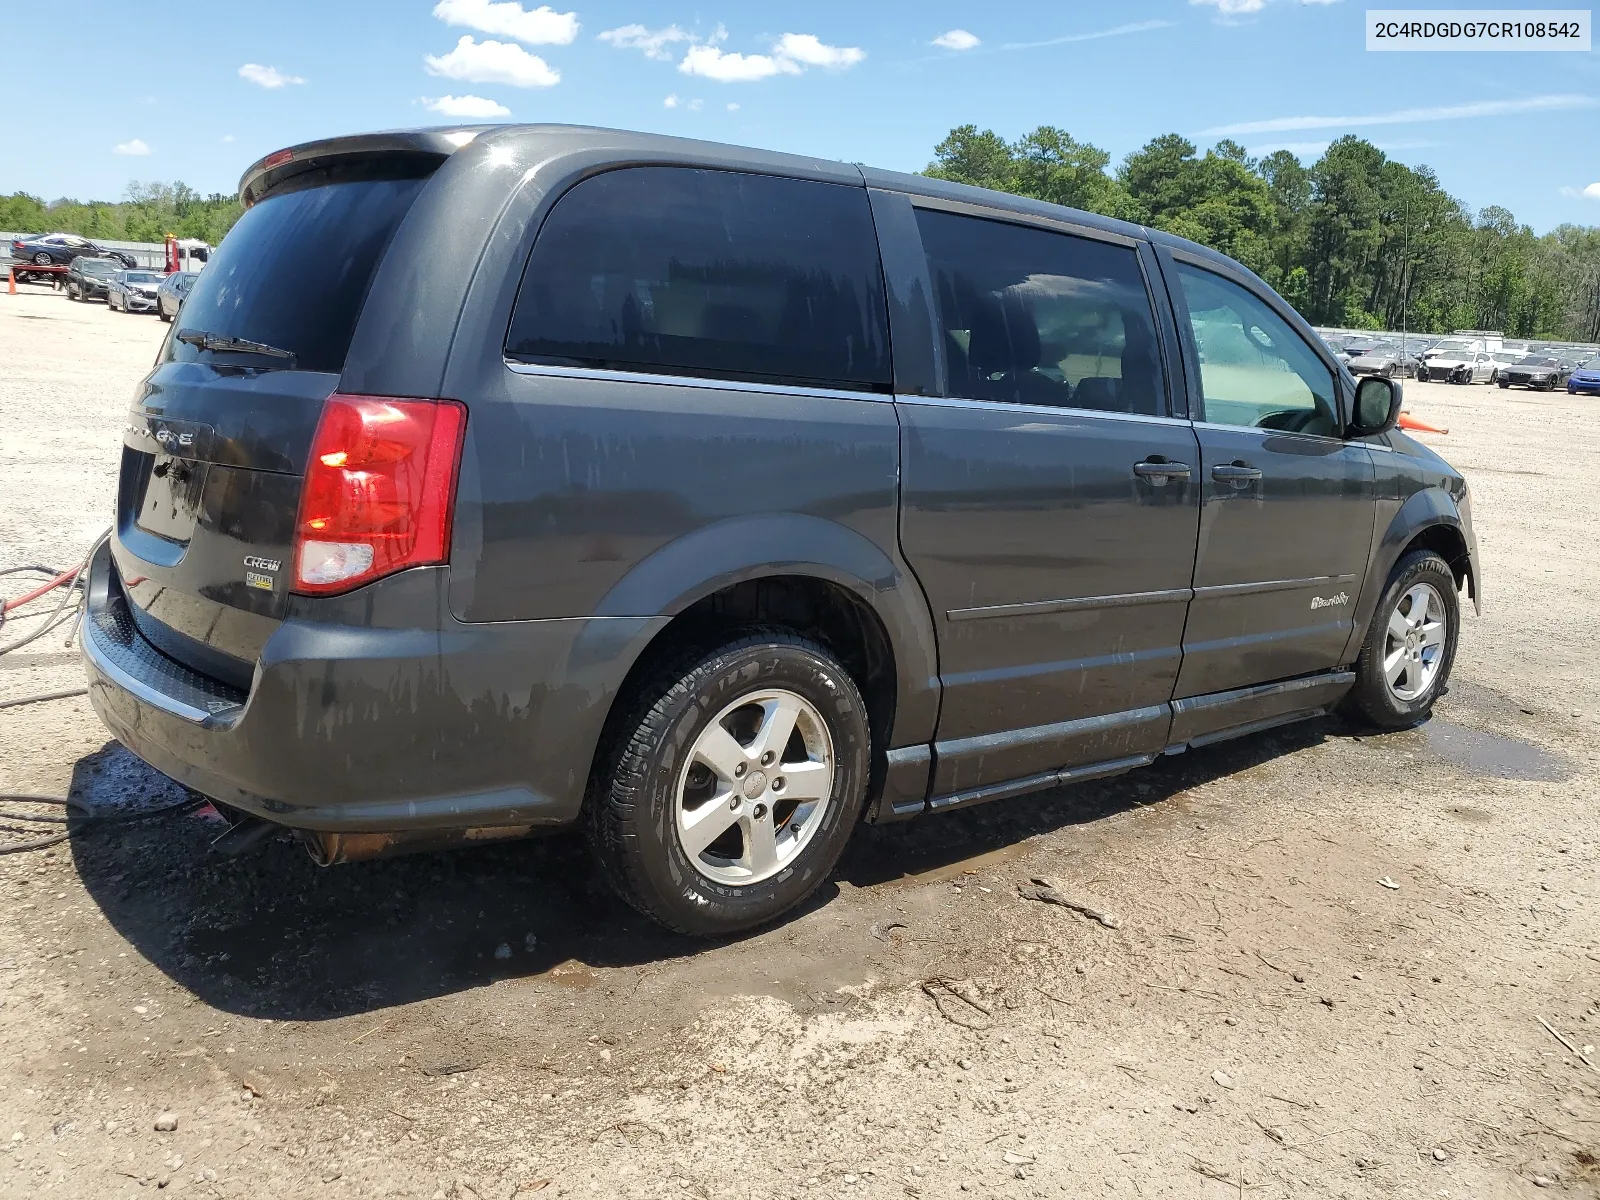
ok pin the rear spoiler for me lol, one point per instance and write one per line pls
(281, 165)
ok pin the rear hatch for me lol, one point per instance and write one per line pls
(216, 446)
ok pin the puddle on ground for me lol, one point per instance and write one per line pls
(1493, 754)
(972, 865)
(572, 974)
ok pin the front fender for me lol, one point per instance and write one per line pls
(731, 551)
(1426, 508)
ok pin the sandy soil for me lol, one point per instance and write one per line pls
(1267, 1019)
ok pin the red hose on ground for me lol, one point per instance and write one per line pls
(64, 577)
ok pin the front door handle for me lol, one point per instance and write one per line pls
(1237, 475)
(1159, 470)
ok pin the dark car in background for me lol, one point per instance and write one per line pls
(1541, 371)
(1585, 378)
(133, 291)
(715, 501)
(169, 296)
(89, 277)
(59, 249)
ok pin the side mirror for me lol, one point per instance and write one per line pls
(1377, 406)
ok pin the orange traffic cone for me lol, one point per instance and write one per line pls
(1407, 421)
(12, 275)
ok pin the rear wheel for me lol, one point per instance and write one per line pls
(1405, 661)
(41, 259)
(730, 789)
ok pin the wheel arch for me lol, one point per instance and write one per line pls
(815, 576)
(1429, 520)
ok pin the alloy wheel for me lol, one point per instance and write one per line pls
(752, 790)
(1413, 648)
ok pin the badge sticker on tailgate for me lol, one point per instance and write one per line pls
(256, 579)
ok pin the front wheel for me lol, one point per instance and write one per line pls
(731, 786)
(1405, 661)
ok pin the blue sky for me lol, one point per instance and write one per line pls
(867, 82)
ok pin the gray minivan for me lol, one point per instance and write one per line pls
(500, 478)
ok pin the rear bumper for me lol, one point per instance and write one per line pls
(383, 715)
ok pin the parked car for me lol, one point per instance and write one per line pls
(1457, 366)
(636, 520)
(1387, 361)
(133, 291)
(1586, 378)
(169, 296)
(1536, 371)
(1502, 360)
(88, 278)
(59, 249)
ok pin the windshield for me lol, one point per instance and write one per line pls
(1536, 360)
(1452, 344)
(141, 277)
(97, 268)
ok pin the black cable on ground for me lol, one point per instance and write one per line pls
(42, 696)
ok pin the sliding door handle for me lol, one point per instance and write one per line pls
(1237, 475)
(1159, 470)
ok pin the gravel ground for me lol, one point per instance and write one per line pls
(1268, 1017)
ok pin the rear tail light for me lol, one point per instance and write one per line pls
(379, 490)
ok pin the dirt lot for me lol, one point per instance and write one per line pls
(1266, 1019)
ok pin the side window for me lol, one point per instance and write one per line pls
(1035, 317)
(718, 273)
(1254, 369)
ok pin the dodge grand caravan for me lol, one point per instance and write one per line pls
(495, 479)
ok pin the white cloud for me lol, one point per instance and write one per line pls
(490, 61)
(733, 107)
(653, 42)
(1316, 149)
(728, 67)
(267, 77)
(791, 55)
(541, 27)
(1592, 191)
(957, 39)
(808, 49)
(135, 147)
(1408, 116)
(1234, 8)
(1114, 31)
(227, 137)
(475, 107)
(670, 102)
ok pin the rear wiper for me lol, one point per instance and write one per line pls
(202, 340)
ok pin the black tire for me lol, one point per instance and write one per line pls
(1371, 701)
(1505, 383)
(41, 259)
(632, 802)
(161, 312)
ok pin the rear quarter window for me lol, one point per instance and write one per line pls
(294, 270)
(724, 274)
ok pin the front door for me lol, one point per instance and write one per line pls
(1049, 503)
(1287, 505)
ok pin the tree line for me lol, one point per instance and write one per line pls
(1352, 240)
(147, 213)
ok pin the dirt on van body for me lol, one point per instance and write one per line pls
(1332, 964)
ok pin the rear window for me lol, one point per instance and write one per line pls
(723, 274)
(294, 271)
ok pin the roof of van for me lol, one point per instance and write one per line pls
(443, 140)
